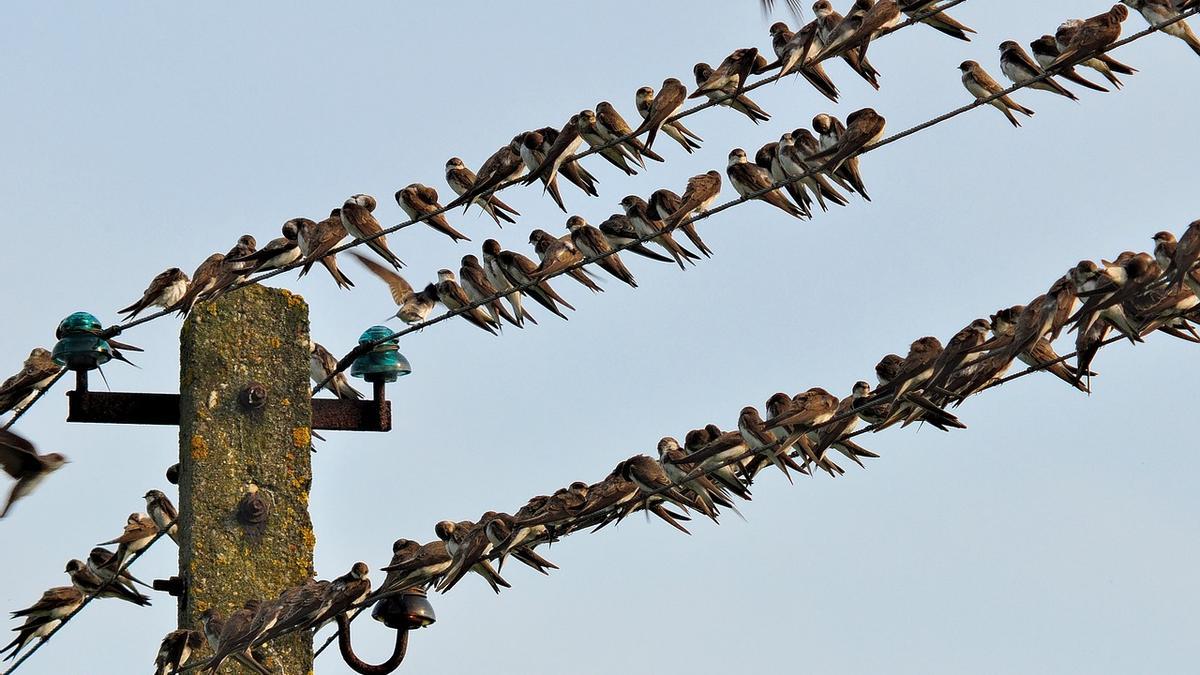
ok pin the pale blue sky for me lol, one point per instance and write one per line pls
(1057, 534)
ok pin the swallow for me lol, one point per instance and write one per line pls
(204, 280)
(794, 50)
(89, 582)
(829, 131)
(940, 21)
(38, 371)
(422, 565)
(1092, 36)
(43, 617)
(1020, 68)
(559, 158)
(650, 477)
(879, 17)
(833, 433)
(414, 307)
(758, 438)
(794, 152)
(982, 86)
(468, 545)
(1187, 253)
(645, 100)
(316, 240)
(1101, 63)
(645, 226)
(557, 255)
(455, 298)
(619, 232)
(1164, 248)
(322, 364)
(521, 271)
(345, 592)
(461, 179)
(420, 202)
(175, 650)
(1045, 51)
(503, 166)
(496, 275)
(588, 126)
(101, 562)
(1042, 355)
(474, 280)
(728, 96)
(360, 223)
(709, 492)
(20, 459)
(571, 170)
(829, 30)
(664, 203)
(698, 197)
(734, 71)
(164, 290)
(533, 150)
(232, 637)
(298, 607)
(499, 528)
(916, 369)
(863, 128)
(749, 179)
(616, 129)
(140, 530)
(279, 252)
(163, 513)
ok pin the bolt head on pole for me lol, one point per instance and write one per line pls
(408, 611)
(78, 347)
(384, 363)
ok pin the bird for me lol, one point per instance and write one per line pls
(175, 650)
(43, 617)
(1100, 62)
(413, 307)
(940, 21)
(322, 364)
(162, 511)
(503, 166)
(100, 562)
(1092, 36)
(1020, 68)
(557, 255)
(474, 280)
(420, 202)
(660, 108)
(461, 179)
(231, 637)
(1156, 12)
(1045, 51)
(735, 70)
(455, 298)
(279, 252)
(749, 179)
(467, 545)
(619, 232)
(592, 243)
(982, 86)
(361, 224)
(863, 128)
(589, 130)
(647, 226)
(20, 459)
(165, 289)
(758, 438)
(617, 130)
(533, 150)
(422, 566)
(555, 160)
(139, 531)
(664, 203)
(204, 280)
(500, 281)
(878, 17)
(728, 96)
(1187, 253)
(829, 25)
(829, 130)
(646, 101)
(316, 240)
(91, 583)
(794, 53)
(235, 269)
(698, 196)
(38, 371)
(521, 272)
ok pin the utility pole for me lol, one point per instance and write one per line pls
(245, 414)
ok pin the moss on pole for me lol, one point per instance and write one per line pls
(229, 449)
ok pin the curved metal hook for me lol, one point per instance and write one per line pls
(357, 664)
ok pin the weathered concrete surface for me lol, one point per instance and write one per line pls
(258, 335)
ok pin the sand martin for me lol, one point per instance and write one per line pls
(279, 252)
(664, 204)
(175, 650)
(660, 109)
(322, 364)
(164, 290)
(749, 179)
(35, 375)
(317, 239)
(420, 202)
(89, 582)
(646, 225)
(645, 100)
(496, 275)
(941, 21)
(163, 512)
(616, 129)
(455, 298)
(1045, 51)
(982, 86)
(829, 28)
(21, 460)
(413, 307)
(728, 97)
(139, 531)
(475, 282)
(1091, 36)
(1020, 68)
(1100, 62)
(461, 179)
(360, 223)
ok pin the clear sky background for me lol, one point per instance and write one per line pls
(1057, 534)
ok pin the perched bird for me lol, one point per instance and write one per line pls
(794, 50)
(475, 282)
(701, 192)
(345, 592)
(235, 268)
(588, 127)
(728, 96)
(1100, 62)
(619, 232)
(420, 202)
(164, 290)
(522, 272)
(413, 307)
(1045, 51)
(231, 637)
(534, 149)
(500, 281)
(556, 158)
(1187, 254)
(617, 130)
(455, 298)
(21, 460)
(163, 513)
(734, 70)
(940, 21)
(557, 255)
(43, 616)
(360, 223)
(140, 530)
(830, 27)
(749, 179)
(664, 203)
(35, 375)
(279, 252)
(317, 239)
(91, 583)
(863, 128)
(1091, 36)
(651, 107)
(982, 86)
(645, 226)
(758, 438)
(467, 545)
(1020, 68)
(204, 280)
(175, 650)
(101, 562)
(322, 364)
(592, 243)
(461, 179)
(420, 565)
(830, 130)
(504, 165)
(878, 17)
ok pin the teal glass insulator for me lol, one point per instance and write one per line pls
(384, 363)
(78, 347)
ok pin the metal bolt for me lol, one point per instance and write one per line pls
(254, 396)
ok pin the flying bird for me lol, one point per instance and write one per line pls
(20, 459)
(413, 307)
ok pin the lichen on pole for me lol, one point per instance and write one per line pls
(245, 473)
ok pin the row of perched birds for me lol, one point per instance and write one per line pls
(1077, 42)
(1134, 294)
(102, 575)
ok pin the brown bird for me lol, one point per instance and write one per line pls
(35, 375)
(663, 107)
(727, 96)
(421, 202)
(317, 239)
(455, 298)
(592, 243)
(699, 195)
(361, 224)
(645, 100)
(1091, 36)
(982, 86)
(21, 460)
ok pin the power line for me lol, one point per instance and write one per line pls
(41, 392)
(91, 596)
(346, 361)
